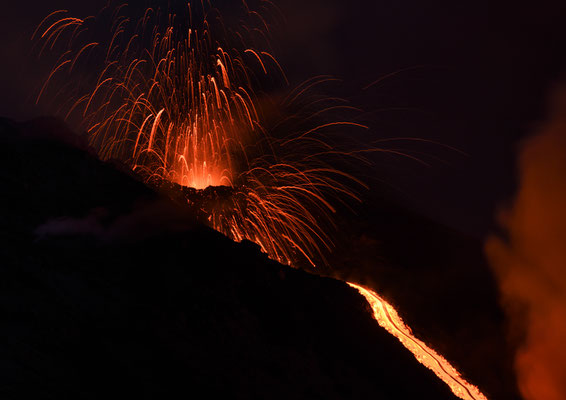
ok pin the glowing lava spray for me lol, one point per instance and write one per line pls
(182, 101)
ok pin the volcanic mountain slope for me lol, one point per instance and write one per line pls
(439, 281)
(110, 290)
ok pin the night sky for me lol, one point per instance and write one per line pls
(471, 75)
(460, 85)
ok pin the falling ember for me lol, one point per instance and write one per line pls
(178, 101)
(389, 319)
(179, 105)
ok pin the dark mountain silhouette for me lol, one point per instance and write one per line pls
(110, 289)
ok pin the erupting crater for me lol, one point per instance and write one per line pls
(181, 106)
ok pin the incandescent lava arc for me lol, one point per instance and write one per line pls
(184, 102)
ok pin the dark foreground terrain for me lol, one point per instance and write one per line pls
(109, 290)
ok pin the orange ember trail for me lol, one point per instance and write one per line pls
(184, 102)
(389, 319)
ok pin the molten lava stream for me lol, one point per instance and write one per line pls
(388, 319)
(177, 108)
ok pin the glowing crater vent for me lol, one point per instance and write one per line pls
(178, 100)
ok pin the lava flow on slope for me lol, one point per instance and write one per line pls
(181, 101)
(389, 319)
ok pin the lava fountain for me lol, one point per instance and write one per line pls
(182, 101)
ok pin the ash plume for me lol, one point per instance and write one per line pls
(529, 260)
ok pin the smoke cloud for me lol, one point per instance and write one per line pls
(148, 218)
(529, 260)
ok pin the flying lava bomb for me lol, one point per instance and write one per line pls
(183, 98)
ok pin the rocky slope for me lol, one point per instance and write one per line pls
(109, 289)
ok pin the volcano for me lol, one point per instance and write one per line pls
(114, 289)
